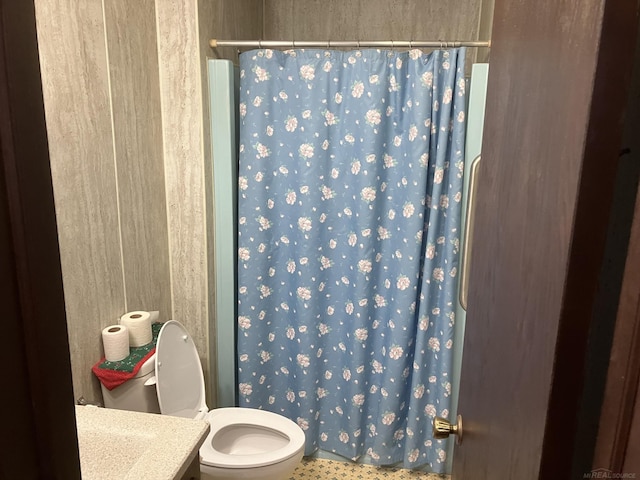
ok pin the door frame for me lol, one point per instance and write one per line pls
(623, 376)
(619, 401)
(617, 45)
(614, 359)
(36, 408)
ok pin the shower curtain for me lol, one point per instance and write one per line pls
(350, 181)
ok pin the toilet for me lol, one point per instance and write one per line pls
(243, 443)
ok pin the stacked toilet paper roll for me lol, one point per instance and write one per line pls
(139, 326)
(115, 339)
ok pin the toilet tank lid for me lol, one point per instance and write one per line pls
(179, 377)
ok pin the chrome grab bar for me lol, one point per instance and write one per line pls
(468, 232)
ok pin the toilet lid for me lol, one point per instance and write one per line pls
(179, 377)
(280, 437)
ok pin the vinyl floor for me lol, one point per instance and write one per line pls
(320, 469)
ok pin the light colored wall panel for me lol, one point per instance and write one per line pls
(219, 19)
(76, 96)
(135, 93)
(182, 104)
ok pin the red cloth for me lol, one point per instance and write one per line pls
(114, 378)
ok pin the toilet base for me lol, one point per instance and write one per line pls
(277, 471)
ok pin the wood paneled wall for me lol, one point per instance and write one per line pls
(137, 130)
(125, 96)
(182, 104)
(126, 104)
(374, 20)
(229, 19)
(75, 77)
(371, 19)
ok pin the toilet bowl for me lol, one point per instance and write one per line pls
(243, 443)
(249, 443)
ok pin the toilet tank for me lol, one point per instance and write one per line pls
(133, 394)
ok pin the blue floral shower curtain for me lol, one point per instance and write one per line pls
(350, 182)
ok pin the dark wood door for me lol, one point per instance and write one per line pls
(557, 88)
(37, 417)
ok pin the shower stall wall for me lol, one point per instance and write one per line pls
(223, 88)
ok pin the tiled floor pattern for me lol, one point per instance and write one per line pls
(320, 469)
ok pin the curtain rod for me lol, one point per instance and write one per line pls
(341, 44)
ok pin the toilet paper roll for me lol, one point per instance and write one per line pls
(139, 325)
(115, 339)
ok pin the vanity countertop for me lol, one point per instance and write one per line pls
(119, 444)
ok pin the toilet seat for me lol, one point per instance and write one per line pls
(269, 423)
(179, 378)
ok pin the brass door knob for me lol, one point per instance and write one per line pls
(442, 428)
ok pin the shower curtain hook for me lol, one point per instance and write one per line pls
(328, 44)
(410, 44)
(358, 44)
(260, 44)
